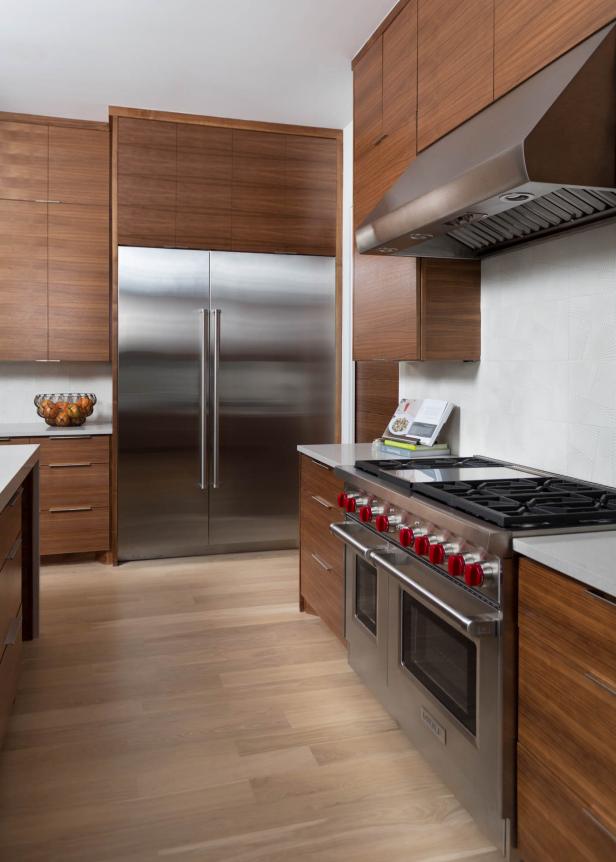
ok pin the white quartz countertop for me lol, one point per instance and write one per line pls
(15, 464)
(586, 557)
(339, 454)
(40, 429)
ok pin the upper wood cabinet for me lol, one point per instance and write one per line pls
(455, 64)
(384, 110)
(310, 194)
(23, 161)
(529, 35)
(79, 166)
(411, 309)
(258, 200)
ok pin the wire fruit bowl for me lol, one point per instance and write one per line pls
(61, 410)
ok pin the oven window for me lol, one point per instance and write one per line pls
(442, 659)
(365, 594)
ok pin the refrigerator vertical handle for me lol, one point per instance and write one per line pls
(216, 314)
(203, 391)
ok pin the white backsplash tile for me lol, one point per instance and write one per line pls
(544, 393)
(21, 381)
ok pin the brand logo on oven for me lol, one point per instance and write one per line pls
(433, 725)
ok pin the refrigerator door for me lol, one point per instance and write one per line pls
(162, 402)
(272, 386)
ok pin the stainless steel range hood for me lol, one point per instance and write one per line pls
(539, 160)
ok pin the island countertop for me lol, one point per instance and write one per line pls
(40, 429)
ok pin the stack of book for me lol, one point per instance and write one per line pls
(412, 450)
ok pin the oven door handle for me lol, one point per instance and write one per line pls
(346, 530)
(481, 624)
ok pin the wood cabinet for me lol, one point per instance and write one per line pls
(384, 110)
(376, 398)
(411, 308)
(321, 555)
(54, 241)
(455, 64)
(529, 35)
(188, 185)
(566, 718)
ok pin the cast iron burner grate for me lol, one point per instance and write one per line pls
(527, 503)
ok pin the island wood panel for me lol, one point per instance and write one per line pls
(385, 308)
(455, 64)
(529, 35)
(310, 194)
(10, 657)
(79, 165)
(450, 309)
(376, 398)
(258, 193)
(204, 182)
(553, 823)
(79, 282)
(147, 182)
(23, 161)
(23, 277)
(10, 589)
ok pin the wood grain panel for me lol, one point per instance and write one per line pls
(79, 165)
(400, 76)
(553, 823)
(368, 99)
(79, 282)
(258, 197)
(206, 229)
(319, 479)
(376, 398)
(323, 590)
(23, 278)
(57, 449)
(147, 148)
(385, 308)
(148, 226)
(10, 590)
(74, 532)
(311, 188)
(83, 484)
(450, 309)
(529, 35)
(23, 161)
(376, 170)
(455, 64)
(9, 671)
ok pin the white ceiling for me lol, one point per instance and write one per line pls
(273, 60)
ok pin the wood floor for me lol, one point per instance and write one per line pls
(187, 711)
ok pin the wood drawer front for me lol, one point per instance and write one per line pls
(9, 670)
(10, 589)
(569, 618)
(316, 537)
(568, 718)
(323, 591)
(74, 532)
(319, 480)
(73, 450)
(10, 525)
(86, 485)
(553, 823)
(14, 441)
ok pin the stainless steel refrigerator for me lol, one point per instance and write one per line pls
(226, 361)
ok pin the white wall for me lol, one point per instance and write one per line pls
(21, 381)
(544, 393)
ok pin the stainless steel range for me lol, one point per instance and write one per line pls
(430, 605)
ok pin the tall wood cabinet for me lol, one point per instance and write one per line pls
(198, 185)
(54, 239)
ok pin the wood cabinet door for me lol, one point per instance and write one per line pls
(79, 165)
(450, 309)
(455, 64)
(79, 282)
(529, 35)
(311, 194)
(23, 280)
(385, 308)
(258, 199)
(204, 183)
(368, 98)
(23, 161)
(147, 182)
(376, 398)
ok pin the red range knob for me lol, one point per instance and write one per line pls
(342, 500)
(436, 553)
(422, 545)
(456, 565)
(474, 575)
(365, 514)
(406, 537)
(382, 523)
(351, 505)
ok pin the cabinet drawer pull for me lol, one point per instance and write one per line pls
(69, 437)
(601, 683)
(71, 509)
(322, 466)
(321, 563)
(13, 552)
(601, 826)
(76, 464)
(321, 501)
(601, 598)
(380, 140)
(11, 635)
(16, 496)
